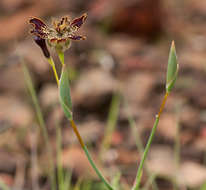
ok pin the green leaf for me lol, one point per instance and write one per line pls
(64, 92)
(172, 69)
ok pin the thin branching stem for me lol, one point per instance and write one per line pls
(140, 148)
(144, 156)
(89, 156)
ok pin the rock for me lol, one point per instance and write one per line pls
(167, 126)
(161, 161)
(33, 56)
(138, 18)
(7, 179)
(15, 111)
(189, 116)
(92, 86)
(137, 87)
(191, 174)
(49, 95)
(122, 46)
(12, 79)
(127, 157)
(197, 7)
(10, 161)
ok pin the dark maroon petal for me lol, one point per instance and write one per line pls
(39, 27)
(38, 24)
(42, 44)
(39, 33)
(77, 22)
(77, 37)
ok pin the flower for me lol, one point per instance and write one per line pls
(61, 33)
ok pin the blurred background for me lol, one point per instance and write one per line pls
(117, 84)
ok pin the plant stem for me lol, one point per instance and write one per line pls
(141, 150)
(42, 124)
(96, 169)
(75, 129)
(139, 171)
(51, 62)
(88, 155)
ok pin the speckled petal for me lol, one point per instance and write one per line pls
(37, 23)
(39, 27)
(77, 22)
(39, 34)
(77, 37)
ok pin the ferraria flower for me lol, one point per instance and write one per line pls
(59, 35)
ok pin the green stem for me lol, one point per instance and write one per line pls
(96, 169)
(139, 172)
(88, 155)
(149, 142)
(140, 148)
(51, 62)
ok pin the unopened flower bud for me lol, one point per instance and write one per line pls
(172, 69)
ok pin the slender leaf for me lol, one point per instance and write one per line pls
(64, 92)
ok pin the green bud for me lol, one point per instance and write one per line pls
(64, 92)
(172, 68)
